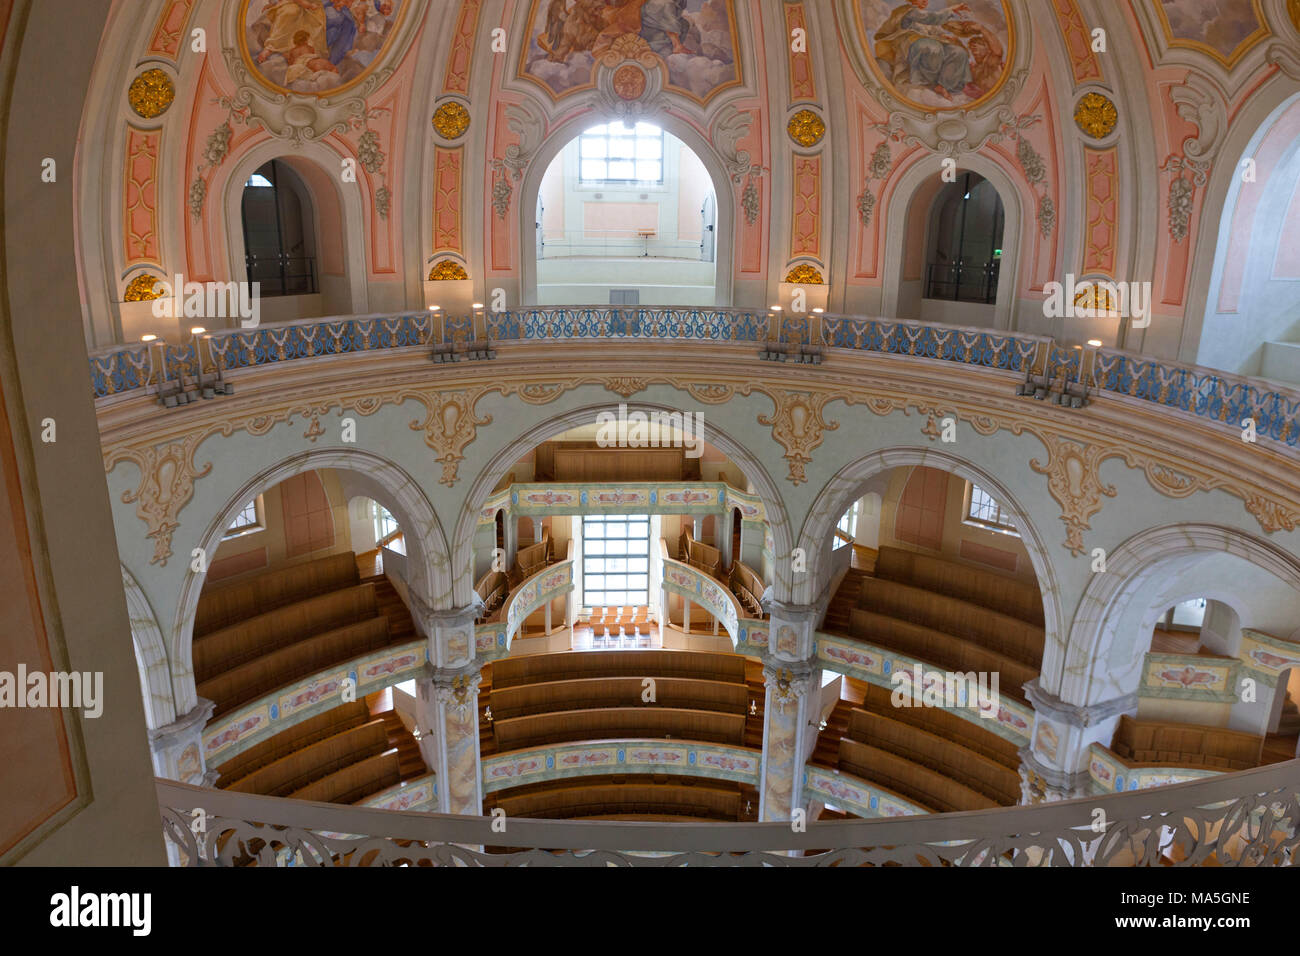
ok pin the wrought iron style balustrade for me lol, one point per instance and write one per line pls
(1241, 819)
(1214, 396)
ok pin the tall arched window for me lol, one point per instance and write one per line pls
(964, 255)
(279, 244)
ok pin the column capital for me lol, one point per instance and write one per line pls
(456, 690)
(182, 728)
(1089, 715)
(1042, 784)
(791, 629)
(787, 682)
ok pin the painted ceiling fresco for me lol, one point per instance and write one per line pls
(315, 46)
(933, 55)
(1225, 29)
(693, 41)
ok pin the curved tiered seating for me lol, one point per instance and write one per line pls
(226, 604)
(303, 734)
(251, 638)
(642, 801)
(701, 556)
(748, 588)
(918, 783)
(354, 782)
(613, 723)
(994, 780)
(950, 727)
(594, 692)
(1001, 633)
(514, 671)
(1155, 742)
(296, 770)
(940, 649)
(975, 585)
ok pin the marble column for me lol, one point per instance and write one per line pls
(446, 714)
(787, 711)
(447, 708)
(1055, 764)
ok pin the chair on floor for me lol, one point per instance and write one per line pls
(641, 617)
(625, 617)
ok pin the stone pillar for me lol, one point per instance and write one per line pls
(511, 541)
(787, 709)
(177, 748)
(686, 615)
(790, 714)
(447, 709)
(537, 530)
(485, 545)
(723, 523)
(446, 714)
(697, 526)
(1055, 764)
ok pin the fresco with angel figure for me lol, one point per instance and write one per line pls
(694, 41)
(937, 55)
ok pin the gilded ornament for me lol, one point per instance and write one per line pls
(1095, 297)
(806, 128)
(451, 120)
(142, 288)
(151, 93)
(1096, 115)
(805, 274)
(447, 270)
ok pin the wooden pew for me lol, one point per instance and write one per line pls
(341, 718)
(296, 770)
(979, 586)
(541, 668)
(943, 724)
(614, 723)
(613, 801)
(231, 646)
(1186, 745)
(1003, 633)
(940, 651)
(971, 769)
(264, 674)
(354, 782)
(224, 604)
(913, 781)
(594, 692)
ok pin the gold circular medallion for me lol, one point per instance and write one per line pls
(451, 120)
(806, 128)
(1096, 115)
(151, 93)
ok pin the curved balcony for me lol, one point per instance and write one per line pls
(1245, 818)
(1206, 394)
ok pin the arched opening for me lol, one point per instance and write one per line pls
(964, 242)
(626, 215)
(950, 259)
(304, 214)
(707, 251)
(1252, 314)
(279, 232)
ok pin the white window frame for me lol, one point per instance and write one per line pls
(999, 522)
(635, 597)
(614, 130)
(257, 524)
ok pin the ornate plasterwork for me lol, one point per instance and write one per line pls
(451, 120)
(1198, 102)
(1271, 515)
(450, 425)
(805, 274)
(151, 93)
(448, 270)
(142, 288)
(1096, 115)
(1072, 480)
(882, 159)
(797, 425)
(530, 126)
(953, 132)
(167, 475)
(627, 386)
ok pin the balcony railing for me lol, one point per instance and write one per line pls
(1247, 818)
(1207, 394)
